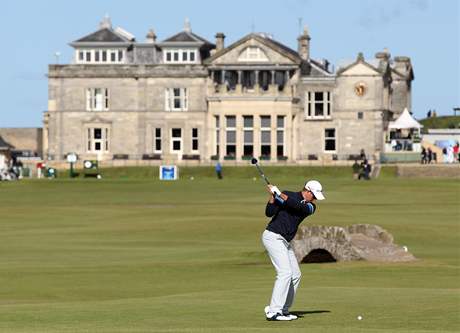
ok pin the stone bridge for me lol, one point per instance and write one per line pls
(314, 244)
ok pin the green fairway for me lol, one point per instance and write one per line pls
(126, 254)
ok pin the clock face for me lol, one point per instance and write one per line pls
(360, 89)
(88, 164)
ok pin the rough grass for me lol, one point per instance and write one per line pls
(440, 122)
(138, 255)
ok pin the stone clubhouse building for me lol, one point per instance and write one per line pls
(185, 98)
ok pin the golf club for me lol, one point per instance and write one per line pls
(255, 162)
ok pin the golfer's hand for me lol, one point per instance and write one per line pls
(274, 190)
(269, 189)
(271, 199)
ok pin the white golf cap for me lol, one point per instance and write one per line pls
(315, 187)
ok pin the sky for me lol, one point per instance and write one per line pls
(428, 31)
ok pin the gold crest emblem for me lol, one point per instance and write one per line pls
(360, 89)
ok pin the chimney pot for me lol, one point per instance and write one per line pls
(220, 40)
(151, 37)
(304, 44)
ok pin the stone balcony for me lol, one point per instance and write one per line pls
(257, 91)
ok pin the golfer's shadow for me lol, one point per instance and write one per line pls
(302, 314)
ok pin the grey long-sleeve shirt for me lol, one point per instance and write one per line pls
(287, 216)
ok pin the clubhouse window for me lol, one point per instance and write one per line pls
(265, 136)
(217, 121)
(97, 99)
(176, 99)
(157, 140)
(329, 140)
(280, 136)
(231, 135)
(194, 139)
(176, 140)
(318, 105)
(248, 136)
(92, 56)
(180, 56)
(97, 139)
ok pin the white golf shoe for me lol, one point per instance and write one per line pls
(290, 315)
(274, 316)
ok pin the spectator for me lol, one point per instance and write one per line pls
(444, 155)
(356, 169)
(365, 170)
(393, 144)
(219, 170)
(423, 156)
(429, 155)
(362, 154)
(456, 152)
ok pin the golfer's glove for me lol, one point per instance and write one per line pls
(275, 190)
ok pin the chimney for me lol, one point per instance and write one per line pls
(384, 55)
(402, 64)
(151, 37)
(304, 44)
(220, 37)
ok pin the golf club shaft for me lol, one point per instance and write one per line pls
(262, 174)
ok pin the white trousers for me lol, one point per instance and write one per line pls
(287, 271)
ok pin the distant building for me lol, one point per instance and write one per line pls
(185, 98)
(24, 142)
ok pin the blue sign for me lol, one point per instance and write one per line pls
(168, 172)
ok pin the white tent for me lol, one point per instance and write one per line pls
(405, 121)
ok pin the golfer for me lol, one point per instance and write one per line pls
(287, 210)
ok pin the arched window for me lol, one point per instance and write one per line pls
(253, 53)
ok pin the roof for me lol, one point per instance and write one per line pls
(280, 45)
(405, 120)
(373, 64)
(188, 37)
(4, 145)
(262, 38)
(103, 35)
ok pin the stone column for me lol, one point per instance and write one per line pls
(256, 81)
(272, 87)
(239, 87)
